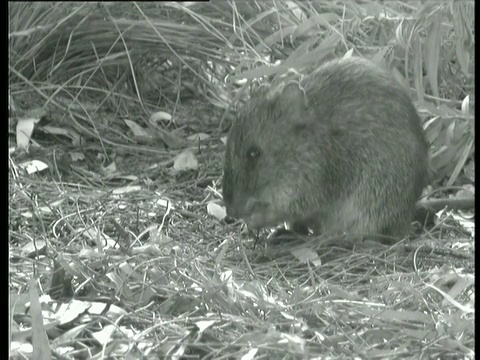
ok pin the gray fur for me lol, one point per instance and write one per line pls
(340, 150)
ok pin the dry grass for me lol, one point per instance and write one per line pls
(135, 263)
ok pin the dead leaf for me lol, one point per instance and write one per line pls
(122, 177)
(43, 209)
(204, 325)
(70, 133)
(33, 166)
(172, 141)
(217, 211)
(76, 156)
(138, 131)
(127, 189)
(466, 105)
(70, 335)
(250, 355)
(468, 191)
(164, 203)
(185, 161)
(110, 169)
(70, 311)
(151, 249)
(306, 255)
(41, 345)
(155, 118)
(31, 247)
(24, 131)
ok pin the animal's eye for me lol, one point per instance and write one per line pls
(253, 152)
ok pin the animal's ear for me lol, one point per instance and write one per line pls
(290, 99)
